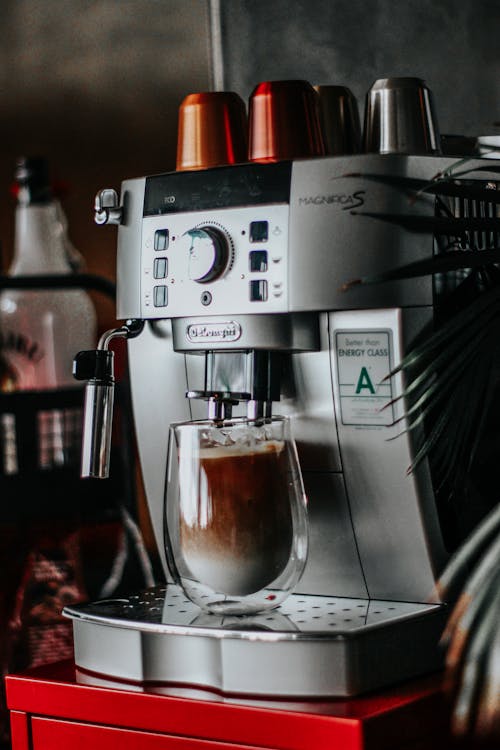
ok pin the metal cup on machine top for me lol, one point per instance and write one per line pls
(339, 118)
(400, 118)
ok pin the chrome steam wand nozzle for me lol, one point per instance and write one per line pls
(97, 368)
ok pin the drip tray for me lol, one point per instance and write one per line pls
(309, 646)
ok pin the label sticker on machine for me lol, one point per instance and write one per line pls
(363, 364)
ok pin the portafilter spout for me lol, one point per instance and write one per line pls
(251, 376)
(97, 368)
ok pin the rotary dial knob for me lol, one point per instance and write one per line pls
(209, 254)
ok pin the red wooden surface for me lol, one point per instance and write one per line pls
(19, 727)
(49, 734)
(396, 718)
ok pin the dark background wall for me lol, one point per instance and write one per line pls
(452, 44)
(95, 86)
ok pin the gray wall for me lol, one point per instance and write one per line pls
(95, 85)
(452, 44)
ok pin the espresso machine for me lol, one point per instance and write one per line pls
(231, 280)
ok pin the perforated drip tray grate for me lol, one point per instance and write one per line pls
(310, 646)
(166, 610)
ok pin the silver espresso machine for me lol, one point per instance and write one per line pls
(234, 277)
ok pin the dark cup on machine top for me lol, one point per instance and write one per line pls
(212, 131)
(400, 118)
(339, 118)
(284, 122)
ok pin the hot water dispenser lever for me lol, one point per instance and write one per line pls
(97, 368)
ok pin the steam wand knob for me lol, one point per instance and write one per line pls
(97, 368)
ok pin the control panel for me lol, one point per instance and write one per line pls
(227, 261)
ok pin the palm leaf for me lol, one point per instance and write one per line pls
(452, 374)
(487, 719)
(451, 261)
(416, 187)
(463, 423)
(449, 362)
(436, 224)
(477, 648)
(467, 555)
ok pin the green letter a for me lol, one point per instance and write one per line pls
(364, 381)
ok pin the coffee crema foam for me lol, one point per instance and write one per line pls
(236, 535)
(237, 449)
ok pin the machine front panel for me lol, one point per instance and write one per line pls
(255, 279)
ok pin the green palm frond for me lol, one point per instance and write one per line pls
(472, 635)
(452, 406)
(456, 572)
(452, 370)
(452, 378)
(443, 225)
(454, 260)
(444, 183)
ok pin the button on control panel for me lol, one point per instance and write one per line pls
(258, 290)
(259, 231)
(161, 239)
(160, 296)
(160, 268)
(258, 260)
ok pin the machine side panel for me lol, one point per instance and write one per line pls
(128, 259)
(158, 377)
(394, 514)
(331, 207)
(333, 566)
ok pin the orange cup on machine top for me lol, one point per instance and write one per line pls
(212, 131)
(284, 122)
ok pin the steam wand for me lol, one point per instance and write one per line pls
(97, 368)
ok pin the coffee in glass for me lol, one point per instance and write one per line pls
(236, 526)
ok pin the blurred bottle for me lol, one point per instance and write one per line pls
(40, 330)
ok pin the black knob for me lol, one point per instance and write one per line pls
(96, 364)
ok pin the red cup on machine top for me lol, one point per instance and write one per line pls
(284, 122)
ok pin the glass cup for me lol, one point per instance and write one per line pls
(235, 514)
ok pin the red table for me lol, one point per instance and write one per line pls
(50, 709)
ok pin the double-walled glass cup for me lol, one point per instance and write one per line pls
(235, 514)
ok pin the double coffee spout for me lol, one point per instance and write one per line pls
(231, 377)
